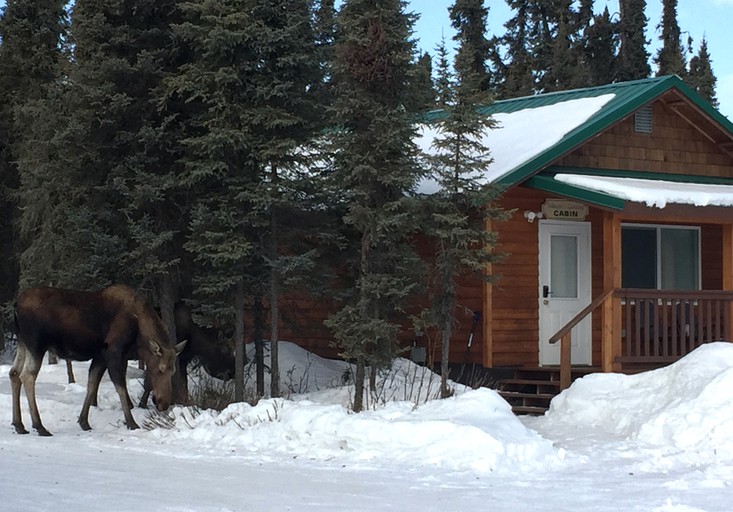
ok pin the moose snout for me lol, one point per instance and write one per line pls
(161, 405)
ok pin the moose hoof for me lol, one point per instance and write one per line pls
(19, 429)
(133, 426)
(84, 425)
(42, 431)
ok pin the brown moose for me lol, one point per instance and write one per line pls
(106, 327)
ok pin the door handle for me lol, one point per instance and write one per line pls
(545, 291)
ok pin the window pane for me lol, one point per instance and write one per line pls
(564, 266)
(680, 266)
(638, 257)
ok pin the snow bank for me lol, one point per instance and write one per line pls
(473, 431)
(684, 409)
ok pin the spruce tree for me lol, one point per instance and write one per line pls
(701, 76)
(324, 27)
(34, 63)
(123, 51)
(219, 161)
(376, 167)
(444, 90)
(561, 70)
(469, 18)
(456, 215)
(32, 55)
(424, 96)
(283, 119)
(633, 57)
(600, 49)
(670, 58)
(518, 64)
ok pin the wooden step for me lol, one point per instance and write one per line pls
(531, 389)
(518, 395)
(532, 411)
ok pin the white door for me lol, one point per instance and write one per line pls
(565, 287)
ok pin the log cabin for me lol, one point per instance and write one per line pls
(619, 248)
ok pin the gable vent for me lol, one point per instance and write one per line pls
(643, 120)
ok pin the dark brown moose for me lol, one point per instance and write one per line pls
(106, 327)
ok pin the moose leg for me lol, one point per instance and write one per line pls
(70, 372)
(16, 384)
(28, 376)
(147, 388)
(117, 373)
(96, 371)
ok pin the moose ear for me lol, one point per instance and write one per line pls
(179, 348)
(155, 348)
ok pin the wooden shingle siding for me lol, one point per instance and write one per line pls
(674, 147)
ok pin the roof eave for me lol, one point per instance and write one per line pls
(548, 184)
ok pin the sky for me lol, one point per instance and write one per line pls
(697, 18)
(657, 441)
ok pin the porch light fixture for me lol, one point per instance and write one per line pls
(531, 216)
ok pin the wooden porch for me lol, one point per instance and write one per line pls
(658, 327)
(644, 329)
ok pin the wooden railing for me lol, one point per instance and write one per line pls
(660, 326)
(564, 336)
(657, 326)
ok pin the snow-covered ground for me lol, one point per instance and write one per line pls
(658, 441)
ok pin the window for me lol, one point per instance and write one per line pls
(660, 257)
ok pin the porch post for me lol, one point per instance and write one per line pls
(728, 275)
(611, 311)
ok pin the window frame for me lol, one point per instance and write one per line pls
(658, 228)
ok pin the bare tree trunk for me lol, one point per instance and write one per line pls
(359, 375)
(239, 355)
(447, 332)
(274, 311)
(448, 305)
(259, 334)
(373, 379)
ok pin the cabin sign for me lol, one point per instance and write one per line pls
(557, 209)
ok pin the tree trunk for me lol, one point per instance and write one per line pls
(359, 375)
(447, 332)
(448, 305)
(274, 309)
(239, 355)
(167, 305)
(259, 335)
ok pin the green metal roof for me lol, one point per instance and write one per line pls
(628, 97)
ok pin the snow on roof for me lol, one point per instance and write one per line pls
(522, 135)
(657, 193)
